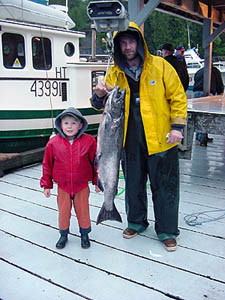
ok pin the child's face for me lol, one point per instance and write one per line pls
(70, 126)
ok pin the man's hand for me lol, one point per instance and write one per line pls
(97, 189)
(102, 89)
(175, 136)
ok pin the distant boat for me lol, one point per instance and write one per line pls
(42, 73)
(32, 12)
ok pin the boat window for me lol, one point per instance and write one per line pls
(69, 49)
(42, 53)
(13, 51)
(193, 65)
(96, 77)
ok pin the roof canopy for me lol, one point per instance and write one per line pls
(195, 10)
(192, 10)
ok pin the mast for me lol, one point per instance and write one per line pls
(189, 40)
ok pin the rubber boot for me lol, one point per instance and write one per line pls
(85, 242)
(63, 239)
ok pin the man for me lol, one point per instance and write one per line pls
(179, 66)
(180, 53)
(155, 113)
(216, 88)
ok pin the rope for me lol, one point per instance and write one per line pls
(193, 219)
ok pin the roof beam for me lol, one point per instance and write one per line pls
(214, 35)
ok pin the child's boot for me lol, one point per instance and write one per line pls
(63, 239)
(85, 242)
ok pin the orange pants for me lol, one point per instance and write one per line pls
(81, 207)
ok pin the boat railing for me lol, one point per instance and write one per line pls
(96, 58)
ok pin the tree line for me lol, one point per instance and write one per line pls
(159, 28)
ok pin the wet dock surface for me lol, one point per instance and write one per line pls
(115, 268)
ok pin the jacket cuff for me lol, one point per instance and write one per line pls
(97, 102)
(178, 127)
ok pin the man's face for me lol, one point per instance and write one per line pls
(128, 46)
(180, 52)
(164, 53)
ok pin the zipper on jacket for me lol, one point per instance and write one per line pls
(71, 169)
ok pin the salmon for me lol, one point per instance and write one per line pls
(109, 148)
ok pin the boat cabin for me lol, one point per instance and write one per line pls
(41, 75)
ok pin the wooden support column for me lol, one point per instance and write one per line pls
(139, 16)
(207, 31)
(141, 7)
(134, 8)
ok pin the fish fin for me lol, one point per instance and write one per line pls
(105, 215)
(96, 160)
(99, 184)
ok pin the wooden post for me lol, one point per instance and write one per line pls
(140, 8)
(207, 30)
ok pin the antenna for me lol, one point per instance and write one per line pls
(189, 41)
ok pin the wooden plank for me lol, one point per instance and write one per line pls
(43, 215)
(205, 203)
(21, 159)
(97, 200)
(20, 284)
(189, 191)
(28, 215)
(69, 270)
(192, 185)
(128, 273)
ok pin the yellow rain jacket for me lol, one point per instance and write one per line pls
(162, 98)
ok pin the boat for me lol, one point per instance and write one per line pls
(33, 12)
(42, 73)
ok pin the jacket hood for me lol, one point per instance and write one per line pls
(71, 111)
(134, 31)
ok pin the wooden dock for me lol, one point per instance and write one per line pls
(114, 268)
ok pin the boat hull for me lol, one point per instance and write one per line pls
(20, 131)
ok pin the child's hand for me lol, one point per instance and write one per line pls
(97, 189)
(47, 193)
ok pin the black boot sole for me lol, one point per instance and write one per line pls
(85, 242)
(61, 243)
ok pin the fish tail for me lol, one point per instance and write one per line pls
(112, 215)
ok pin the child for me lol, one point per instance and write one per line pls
(69, 161)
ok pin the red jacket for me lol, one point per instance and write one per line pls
(70, 166)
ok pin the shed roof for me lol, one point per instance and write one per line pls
(195, 10)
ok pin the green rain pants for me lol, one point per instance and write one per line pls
(162, 169)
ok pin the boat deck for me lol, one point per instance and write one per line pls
(115, 268)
